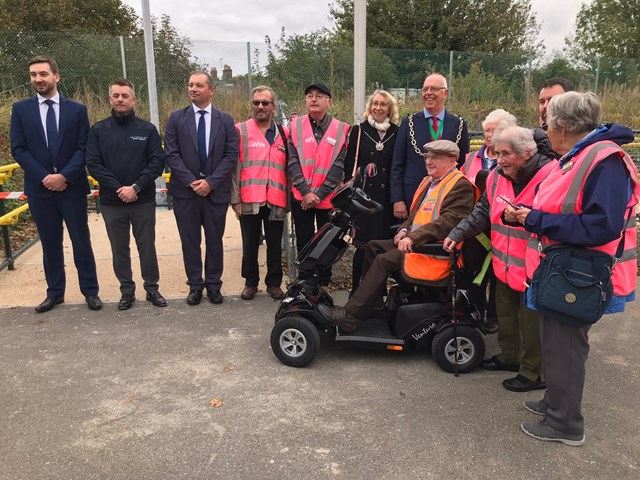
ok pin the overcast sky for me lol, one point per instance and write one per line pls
(251, 20)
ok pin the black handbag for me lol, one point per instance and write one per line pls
(573, 285)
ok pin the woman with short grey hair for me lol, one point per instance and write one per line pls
(598, 215)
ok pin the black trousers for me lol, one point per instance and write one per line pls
(251, 225)
(192, 216)
(305, 222)
(119, 220)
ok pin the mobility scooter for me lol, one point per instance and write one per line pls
(442, 320)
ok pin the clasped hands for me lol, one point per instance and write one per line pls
(404, 243)
(201, 187)
(55, 182)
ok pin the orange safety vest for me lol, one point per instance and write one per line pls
(316, 158)
(509, 243)
(263, 167)
(561, 193)
(472, 166)
(430, 269)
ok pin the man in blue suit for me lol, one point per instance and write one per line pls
(48, 140)
(201, 148)
(431, 124)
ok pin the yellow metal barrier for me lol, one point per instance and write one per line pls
(12, 217)
(6, 172)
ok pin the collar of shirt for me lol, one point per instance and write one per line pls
(55, 98)
(439, 116)
(270, 134)
(196, 109)
(322, 124)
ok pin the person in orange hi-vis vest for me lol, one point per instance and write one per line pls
(259, 192)
(444, 197)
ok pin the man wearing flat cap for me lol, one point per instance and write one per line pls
(443, 198)
(317, 146)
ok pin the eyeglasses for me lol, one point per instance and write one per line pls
(319, 96)
(433, 89)
(436, 156)
(380, 104)
(264, 103)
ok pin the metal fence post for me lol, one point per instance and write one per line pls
(595, 87)
(249, 68)
(124, 63)
(450, 73)
(527, 84)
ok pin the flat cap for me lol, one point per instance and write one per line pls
(321, 87)
(442, 146)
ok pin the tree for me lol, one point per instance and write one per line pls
(498, 26)
(609, 28)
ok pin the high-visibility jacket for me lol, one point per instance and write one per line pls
(561, 193)
(430, 269)
(316, 158)
(473, 165)
(509, 243)
(263, 167)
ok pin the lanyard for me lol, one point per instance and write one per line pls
(436, 135)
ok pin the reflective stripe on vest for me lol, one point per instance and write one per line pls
(562, 192)
(316, 158)
(263, 176)
(430, 268)
(509, 242)
(472, 166)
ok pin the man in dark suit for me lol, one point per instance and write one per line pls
(48, 140)
(201, 148)
(433, 123)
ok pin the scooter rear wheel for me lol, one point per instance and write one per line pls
(469, 352)
(295, 341)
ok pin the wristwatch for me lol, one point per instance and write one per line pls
(136, 187)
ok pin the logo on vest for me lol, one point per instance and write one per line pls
(138, 138)
(257, 144)
(429, 204)
(310, 139)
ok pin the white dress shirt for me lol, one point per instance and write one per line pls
(207, 120)
(44, 108)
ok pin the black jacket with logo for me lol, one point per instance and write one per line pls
(122, 151)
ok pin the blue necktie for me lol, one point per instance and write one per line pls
(53, 138)
(202, 142)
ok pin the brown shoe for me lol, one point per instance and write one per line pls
(340, 317)
(275, 292)
(248, 293)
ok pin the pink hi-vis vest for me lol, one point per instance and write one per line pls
(561, 193)
(316, 158)
(263, 167)
(472, 166)
(509, 243)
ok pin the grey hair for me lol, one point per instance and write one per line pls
(501, 118)
(264, 88)
(518, 138)
(440, 77)
(575, 112)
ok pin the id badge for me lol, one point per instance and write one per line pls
(331, 141)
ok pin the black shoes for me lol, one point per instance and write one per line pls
(494, 364)
(156, 298)
(520, 383)
(215, 296)
(194, 297)
(491, 325)
(126, 301)
(49, 303)
(94, 302)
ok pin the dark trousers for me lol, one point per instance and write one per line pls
(119, 220)
(251, 226)
(305, 222)
(565, 350)
(381, 259)
(356, 273)
(519, 327)
(48, 215)
(478, 295)
(192, 215)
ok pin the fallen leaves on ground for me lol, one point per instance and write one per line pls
(216, 402)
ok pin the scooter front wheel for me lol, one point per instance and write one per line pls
(466, 349)
(295, 341)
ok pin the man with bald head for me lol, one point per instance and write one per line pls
(431, 124)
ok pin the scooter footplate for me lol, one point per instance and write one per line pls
(373, 331)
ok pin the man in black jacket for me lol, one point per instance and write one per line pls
(124, 154)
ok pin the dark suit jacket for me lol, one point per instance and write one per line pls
(181, 154)
(29, 147)
(407, 167)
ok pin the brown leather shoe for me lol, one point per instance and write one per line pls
(275, 292)
(340, 317)
(248, 293)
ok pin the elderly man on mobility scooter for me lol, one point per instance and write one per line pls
(444, 197)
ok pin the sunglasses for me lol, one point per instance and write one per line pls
(264, 103)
